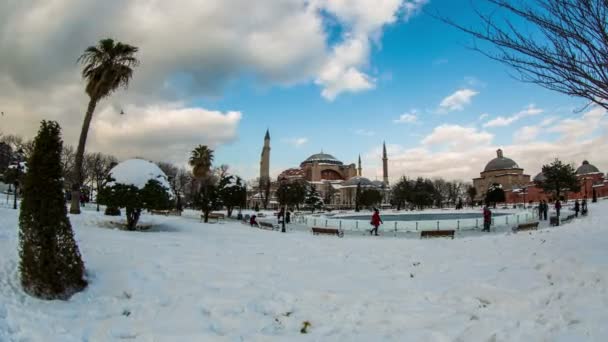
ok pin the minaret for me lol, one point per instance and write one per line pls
(384, 164)
(265, 159)
(359, 169)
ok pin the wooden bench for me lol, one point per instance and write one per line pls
(526, 226)
(267, 225)
(426, 234)
(215, 216)
(166, 212)
(327, 231)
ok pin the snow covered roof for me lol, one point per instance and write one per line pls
(138, 172)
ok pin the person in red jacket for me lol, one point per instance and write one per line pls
(376, 222)
(487, 219)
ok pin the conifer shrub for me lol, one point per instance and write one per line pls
(50, 265)
(153, 196)
(112, 211)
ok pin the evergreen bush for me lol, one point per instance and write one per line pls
(50, 263)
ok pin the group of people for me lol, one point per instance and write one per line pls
(580, 207)
(543, 208)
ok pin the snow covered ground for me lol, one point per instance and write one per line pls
(189, 281)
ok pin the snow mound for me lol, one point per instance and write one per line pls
(138, 172)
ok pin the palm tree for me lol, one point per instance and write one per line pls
(200, 160)
(107, 67)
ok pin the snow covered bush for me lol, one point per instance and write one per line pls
(50, 263)
(135, 185)
(232, 192)
(313, 201)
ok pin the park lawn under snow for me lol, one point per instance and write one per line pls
(189, 281)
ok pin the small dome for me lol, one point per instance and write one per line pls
(501, 163)
(354, 181)
(586, 168)
(540, 177)
(322, 158)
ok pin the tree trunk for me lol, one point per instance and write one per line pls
(77, 175)
(132, 218)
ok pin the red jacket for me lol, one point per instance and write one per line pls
(376, 220)
(487, 215)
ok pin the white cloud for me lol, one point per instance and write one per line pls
(467, 162)
(365, 132)
(483, 116)
(188, 51)
(364, 20)
(297, 142)
(457, 137)
(161, 132)
(526, 134)
(502, 121)
(573, 130)
(457, 100)
(410, 117)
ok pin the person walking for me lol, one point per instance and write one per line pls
(253, 221)
(577, 208)
(376, 222)
(558, 207)
(288, 217)
(487, 219)
(281, 215)
(545, 209)
(541, 208)
(584, 207)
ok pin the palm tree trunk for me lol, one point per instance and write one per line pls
(77, 176)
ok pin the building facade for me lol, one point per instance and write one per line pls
(519, 188)
(335, 181)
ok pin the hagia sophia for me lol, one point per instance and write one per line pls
(335, 181)
(520, 188)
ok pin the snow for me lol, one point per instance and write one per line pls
(190, 281)
(138, 172)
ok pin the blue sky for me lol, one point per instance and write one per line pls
(331, 75)
(417, 64)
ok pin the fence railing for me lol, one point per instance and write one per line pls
(510, 220)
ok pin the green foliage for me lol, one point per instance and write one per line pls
(232, 192)
(50, 263)
(313, 201)
(107, 66)
(201, 159)
(559, 178)
(401, 193)
(495, 194)
(208, 198)
(370, 197)
(472, 192)
(134, 200)
(112, 211)
(291, 193)
(423, 193)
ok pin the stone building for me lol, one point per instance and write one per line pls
(500, 170)
(335, 181)
(519, 188)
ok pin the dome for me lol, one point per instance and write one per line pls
(586, 168)
(501, 163)
(540, 177)
(354, 181)
(322, 158)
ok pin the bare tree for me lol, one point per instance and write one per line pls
(565, 51)
(98, 169)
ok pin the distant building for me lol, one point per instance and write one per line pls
(519, 188)
(335, 181)
(500, 170)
